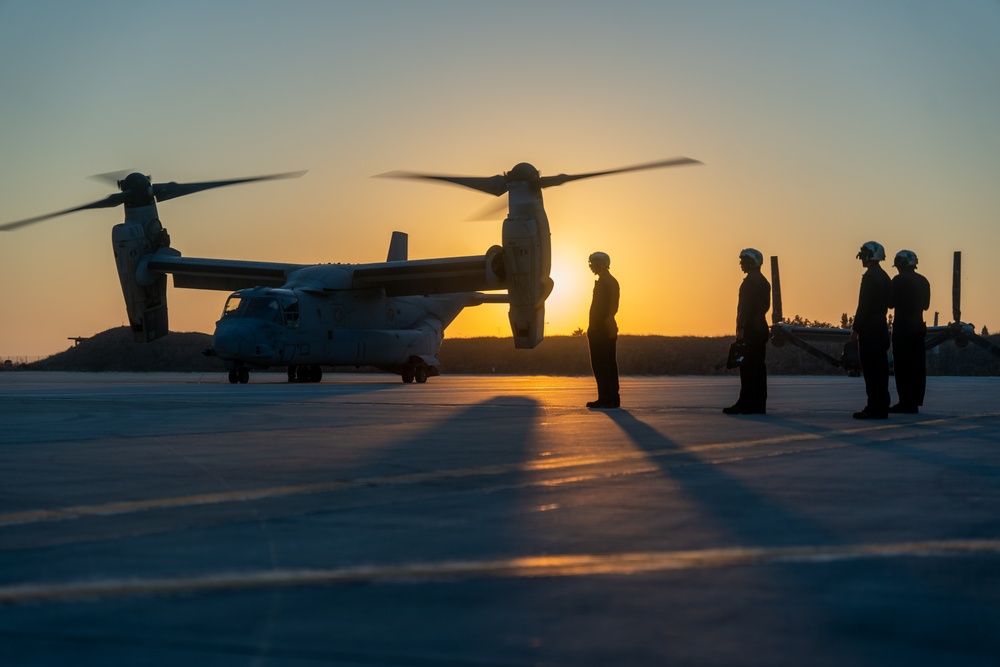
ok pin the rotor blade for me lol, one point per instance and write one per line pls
(956, 288)
(935, 338)
(549, 181)
(166, 191)
(109, 202)
(776, 314)
(984, 343)
(112, 177)
(491, 185)
(815, 351)
(493, 211)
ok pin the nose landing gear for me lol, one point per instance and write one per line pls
(239, 374)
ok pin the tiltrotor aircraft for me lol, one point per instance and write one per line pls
(782, 332)
(390, 314)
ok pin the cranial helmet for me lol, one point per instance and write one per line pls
(905, 259)
(600, 259)
(871, 251)
(751, 257)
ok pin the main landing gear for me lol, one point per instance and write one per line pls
(305, 373)
(418, 371)
(239, 374)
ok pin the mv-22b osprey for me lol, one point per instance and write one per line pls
(390, 314)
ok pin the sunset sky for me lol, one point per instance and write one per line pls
(821, 125)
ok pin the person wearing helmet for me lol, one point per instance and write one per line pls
(602, 333)
(871, 332)
(751, 327)
(910, 297)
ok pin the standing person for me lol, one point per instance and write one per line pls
(602, 333)
(871, 332)
(751, 326)
(910, 297)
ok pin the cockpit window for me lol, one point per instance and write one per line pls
(277, 309)
(263, 308)
(233, 304)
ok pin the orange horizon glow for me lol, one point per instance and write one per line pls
(820, 126)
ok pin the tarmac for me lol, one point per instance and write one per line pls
(169, 519)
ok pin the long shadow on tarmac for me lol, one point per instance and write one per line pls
(872, 611)
(750, 516)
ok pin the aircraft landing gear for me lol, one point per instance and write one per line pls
(416, 371)
(305, 373)
(241, 375)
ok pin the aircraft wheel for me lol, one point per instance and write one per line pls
(408, 375)
(291, 373)
(244, 376)
(234, 376)
(316, 375)
(421, 374)
(302, 373)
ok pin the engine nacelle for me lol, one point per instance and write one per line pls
(526, 264)
(146, 304)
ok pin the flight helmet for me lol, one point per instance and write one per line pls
(600, 259)
(751, 257)
(905, 259)
(871, 251)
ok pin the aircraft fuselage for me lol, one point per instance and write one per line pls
(263, 327)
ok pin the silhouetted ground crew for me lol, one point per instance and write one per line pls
(910, 297)
(871, 331)
(751, 327)
(602, 333)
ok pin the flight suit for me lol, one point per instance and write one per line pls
(602, 335)
(910, 296)
(751, 312)
(873, 338)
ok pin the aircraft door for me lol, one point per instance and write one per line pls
(341, 348)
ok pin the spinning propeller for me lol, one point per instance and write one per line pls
(526, 173)
(139, 190)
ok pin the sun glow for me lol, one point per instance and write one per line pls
(566, 309)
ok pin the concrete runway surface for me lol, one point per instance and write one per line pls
(170, 519)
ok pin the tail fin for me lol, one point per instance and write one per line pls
(398, 247)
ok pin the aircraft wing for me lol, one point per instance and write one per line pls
(215, 274)
(447, 275)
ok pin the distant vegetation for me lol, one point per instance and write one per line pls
(114, 350)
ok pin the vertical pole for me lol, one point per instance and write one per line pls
(956, 288)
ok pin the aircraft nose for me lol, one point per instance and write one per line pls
(232, 340)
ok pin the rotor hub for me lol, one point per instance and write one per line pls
(138, 189)
(523, 172)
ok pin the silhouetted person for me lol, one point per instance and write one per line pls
(871, 332)
(602, 333)
(751, 327)
(910, 297)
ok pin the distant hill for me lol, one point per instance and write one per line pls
(114, 350)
